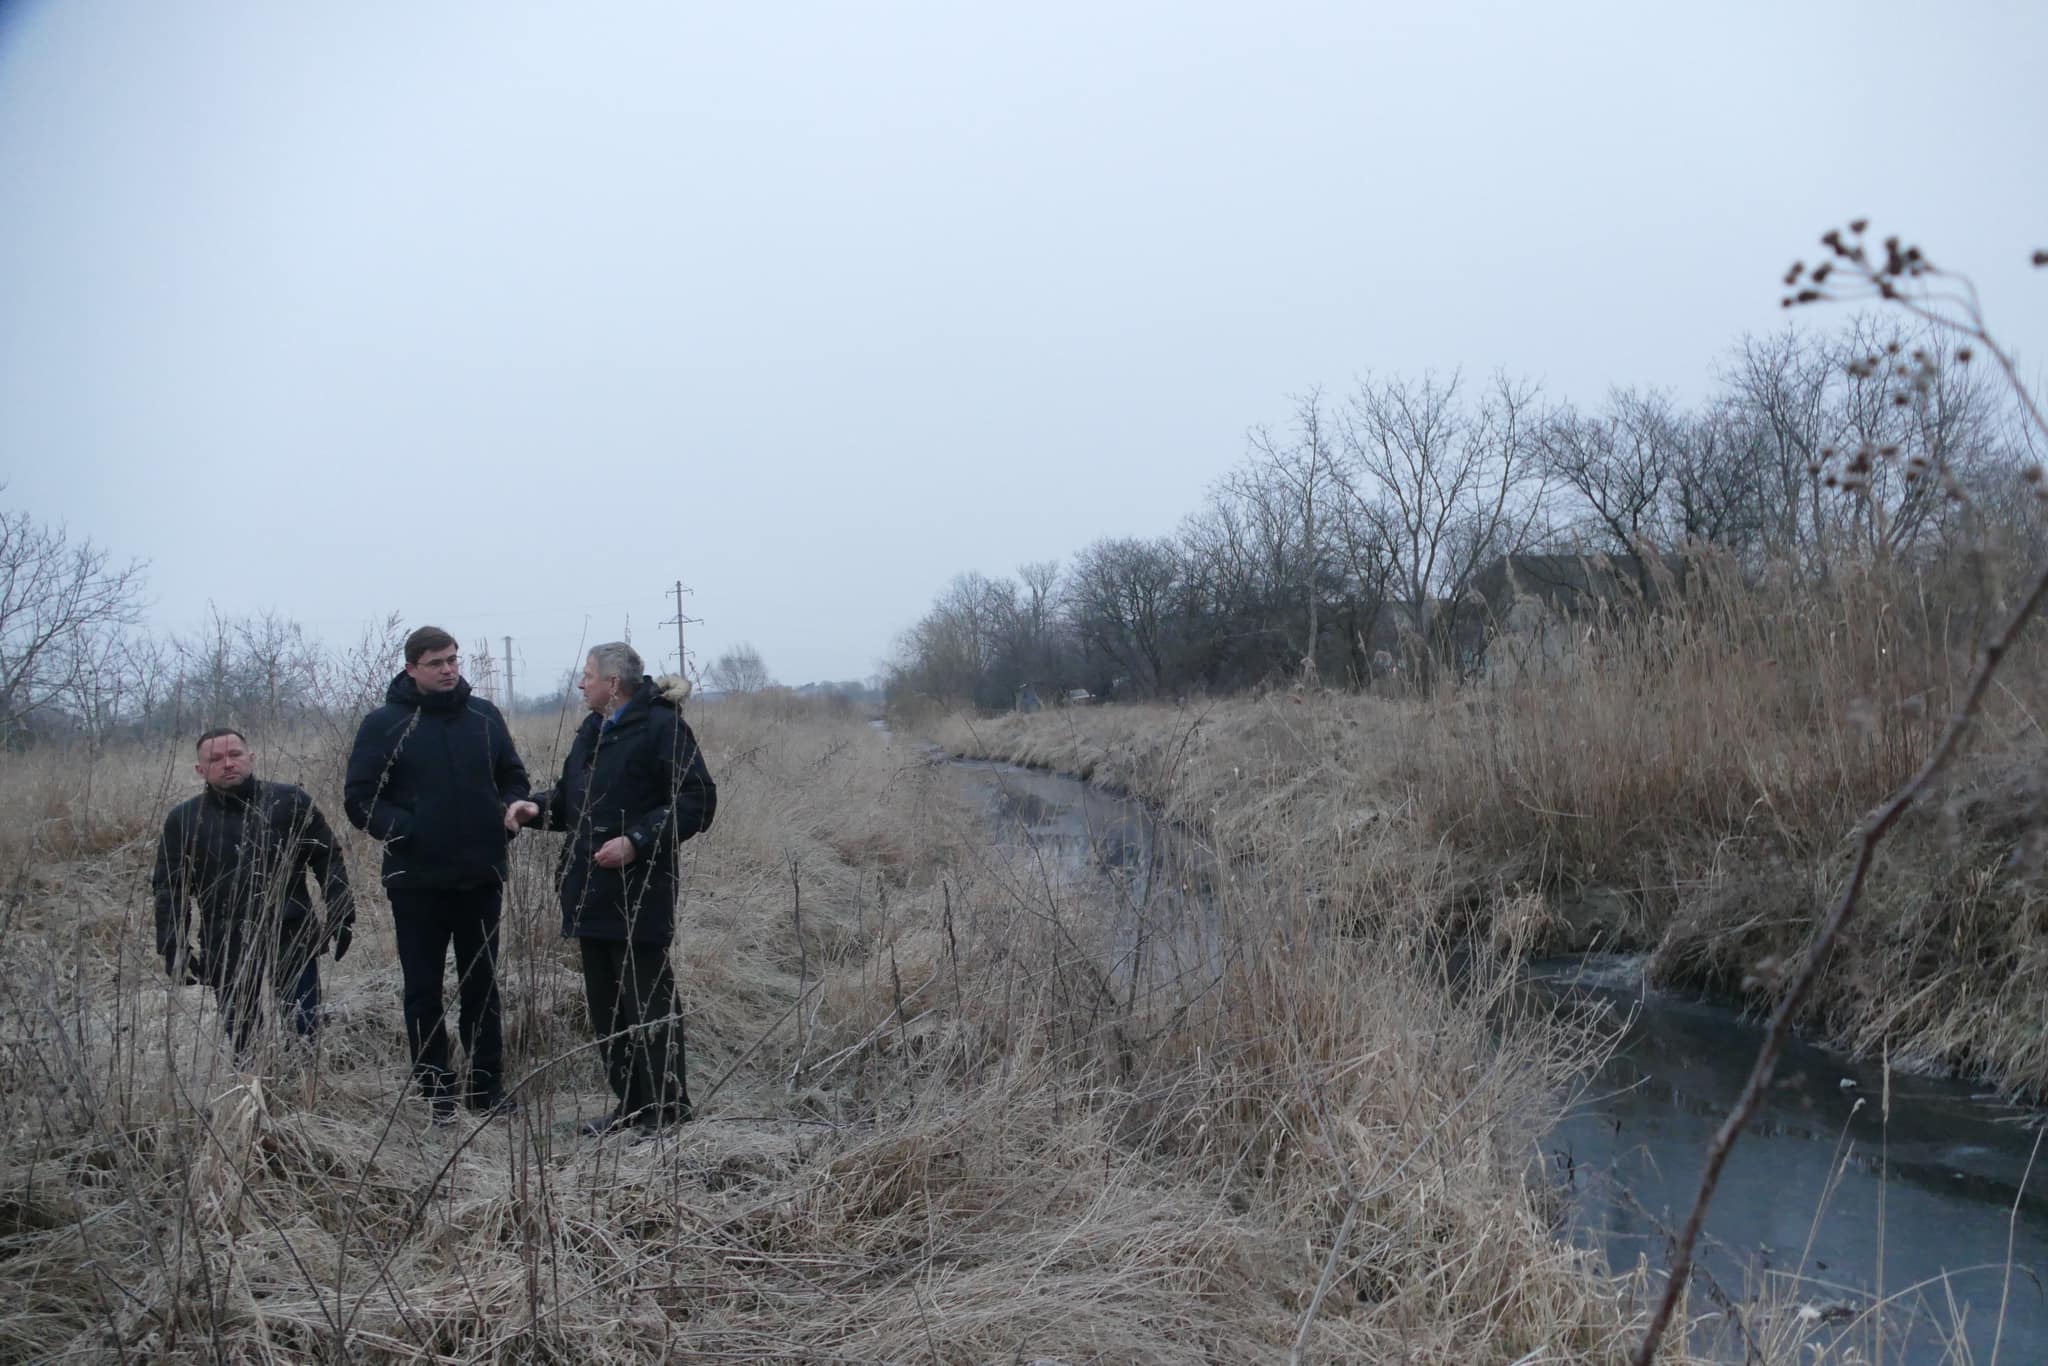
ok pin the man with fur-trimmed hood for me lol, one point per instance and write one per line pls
(633, 788)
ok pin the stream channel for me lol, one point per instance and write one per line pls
(1918, 1209)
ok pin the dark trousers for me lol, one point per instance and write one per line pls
(288, 961)
(428, 921)
(632, 996)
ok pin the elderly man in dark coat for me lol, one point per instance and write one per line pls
(633, 788)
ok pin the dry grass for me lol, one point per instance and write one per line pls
(936, 1125)
(1685, 784)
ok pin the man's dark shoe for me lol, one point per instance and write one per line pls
(443, 1108)
(492, 1102)
(658, 1117)
(613, 1120)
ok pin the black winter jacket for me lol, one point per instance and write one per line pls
(431, 775)
(243, 856)
(643, 777)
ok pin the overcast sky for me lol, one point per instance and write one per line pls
(507, 316)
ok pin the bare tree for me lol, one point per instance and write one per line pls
(56, 597)
(1295, 483)
(1455, 489)
(1717, 483)
(1037, 647)
(1121, 599)
(1783, 380)
(1619, 466)
(1365, 559)
(740, 669)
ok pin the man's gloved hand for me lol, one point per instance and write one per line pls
(344, 935)
(192, 967)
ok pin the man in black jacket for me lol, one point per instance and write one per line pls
(431, 774)
(633, 788)
(241, 849)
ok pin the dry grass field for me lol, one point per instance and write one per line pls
(933, 1128)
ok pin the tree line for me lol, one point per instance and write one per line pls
(1350, 544)
(77, 660)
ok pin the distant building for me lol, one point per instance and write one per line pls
(1574, 583)
(1542, 611)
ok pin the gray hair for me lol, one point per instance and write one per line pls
(617, 659)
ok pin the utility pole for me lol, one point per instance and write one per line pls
(511, 694)
(678, 621)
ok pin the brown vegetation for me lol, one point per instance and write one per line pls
(935, 1127)
(1684, 783)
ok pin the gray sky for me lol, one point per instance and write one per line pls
(505, 316)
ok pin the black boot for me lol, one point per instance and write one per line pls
(613, 1120)
(657, 1117)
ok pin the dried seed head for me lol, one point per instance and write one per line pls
(2041, 258)
(2032, 474)
(1857, 225)
(1792, 275)
(1963, 355)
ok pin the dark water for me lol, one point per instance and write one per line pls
(1827, 1194)
(1826, 1202)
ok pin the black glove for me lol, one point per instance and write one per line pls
(192, 967)
(344, 935)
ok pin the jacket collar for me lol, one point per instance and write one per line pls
(406, 693)
(241, 794)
